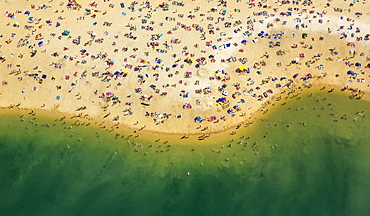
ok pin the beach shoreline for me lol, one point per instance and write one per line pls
(126, 133)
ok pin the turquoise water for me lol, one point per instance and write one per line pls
(319, 167)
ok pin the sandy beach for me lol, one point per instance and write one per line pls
(181, 67)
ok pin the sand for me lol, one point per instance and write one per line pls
(123, 35)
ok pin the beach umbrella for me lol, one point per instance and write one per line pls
(358, 64)
(350, 72)
(242, 68)
(198, 119)
(221, 99)
(27, 12)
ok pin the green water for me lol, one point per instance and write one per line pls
(319, 168)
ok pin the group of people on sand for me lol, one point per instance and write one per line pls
(191, 60)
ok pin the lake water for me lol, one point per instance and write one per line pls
(315, 166)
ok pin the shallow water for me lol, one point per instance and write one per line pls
(321, 168)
